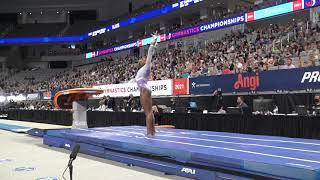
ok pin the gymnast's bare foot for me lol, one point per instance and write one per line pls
(151, 132)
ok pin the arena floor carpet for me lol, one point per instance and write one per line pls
(189, 151)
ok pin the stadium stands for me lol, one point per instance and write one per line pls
(24, 81)
(36, 30)
(4, 28)
(259, 49)
(84, 27)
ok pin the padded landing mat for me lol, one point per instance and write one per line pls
(274, 156)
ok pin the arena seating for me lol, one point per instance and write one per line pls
(252, 51)
(36, 30)
(24, 81)
(4, 27)
(84, 27)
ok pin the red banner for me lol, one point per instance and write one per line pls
(297, 5)
(140, 43)
(163, 37)
(47, 95)
(250, 16)
(180, 86)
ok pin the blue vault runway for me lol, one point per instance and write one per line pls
(192, 153)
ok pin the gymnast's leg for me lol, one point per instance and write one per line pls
(146, 102)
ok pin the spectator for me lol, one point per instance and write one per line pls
(219, 105)
(242, 105)
(316, 102)
(109, 103)
(289, 64)
(132, 103)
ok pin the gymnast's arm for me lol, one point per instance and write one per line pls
(150, 54)
(152, 48)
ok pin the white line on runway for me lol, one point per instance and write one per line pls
(228, 142)
(227, 149)
(243, 138)
(266, 140)
(237, 150)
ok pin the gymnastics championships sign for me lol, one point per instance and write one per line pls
(222, 23)
(159, 88)
(249, 16)
(110, 50)
(175, 35)
(287, 80)
(290, 80)
(145, 16)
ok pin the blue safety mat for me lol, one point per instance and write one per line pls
(276, 156)
(14, 128)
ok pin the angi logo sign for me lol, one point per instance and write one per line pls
(251, 82)
(188, 171)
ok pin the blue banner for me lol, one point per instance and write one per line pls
(289, 80)
(223, 23)
(52, 39)
(311, 3)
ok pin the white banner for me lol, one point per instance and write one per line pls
(19, 97)
(159, 88)
(34, 96)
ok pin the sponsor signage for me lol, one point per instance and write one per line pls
(33, 96)
(19, 97)
(184, 33)
(111, 50)
(47, 95)
(249, 16)
(102, 52)
(97, 32)
(5, 160)
(139, 43)
(310, 3)
(178, 34)
(148, 41)
(159, 88)
(125, 46)
(290, 80)
(188, 171)
(180, 86)
(185, 3)
(51, 39)
(223, 23)
(297, 5)
(273, 11)
(24, 169)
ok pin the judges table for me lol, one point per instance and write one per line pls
(276, 125)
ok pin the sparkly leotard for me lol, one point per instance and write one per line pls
(143, 74)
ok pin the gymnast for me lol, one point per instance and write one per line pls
(142, 79)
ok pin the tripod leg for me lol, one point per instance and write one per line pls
(70, 171)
